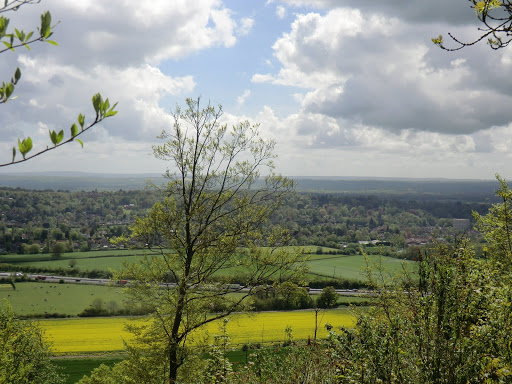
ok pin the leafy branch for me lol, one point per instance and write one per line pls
(102, 109)
(18, 39)
(14, 5)
(496, 16)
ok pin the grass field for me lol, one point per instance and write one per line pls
(76, 368)
(38, 298)
(32, 298)
(100, 335)
(353, 267)
(102, 260)
(326, 265)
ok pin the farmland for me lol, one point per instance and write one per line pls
(102, 260)
(42, 298)
(348, 267)
(101, 335)
(32, 298)
(352, 267)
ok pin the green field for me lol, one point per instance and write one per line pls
(102, 260)
(38, 298)
(76, 368)
(353, 267)
(320, 266)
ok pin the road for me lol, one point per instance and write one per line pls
(84, 280)
(57, 279)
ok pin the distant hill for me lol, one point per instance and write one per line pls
(413, 188)
(424, 188)
(79, 181)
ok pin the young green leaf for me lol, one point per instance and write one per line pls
(96, 103)
(28, 144)
(60, 136)
(17, 74)
(25, 146)
(80, 141)
(46, 28)
(51, 42)
(53, 137)
(81, 120)
(9, 89)
(74, 130)
(19, 34)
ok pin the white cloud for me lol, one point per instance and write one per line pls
(366, 70)
(245, 27)
(138, 90)
(281, 12)
(241, 99)
(112, 48)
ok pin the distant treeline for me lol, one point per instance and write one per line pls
(476, 190)
(35, 221)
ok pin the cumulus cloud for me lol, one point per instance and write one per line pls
(122, 31)
(112, 47)
(137, 89)
(357, 67)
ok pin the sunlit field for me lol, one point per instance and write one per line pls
(38, 298)
(320, 266)
(353, 267)
(100, 335)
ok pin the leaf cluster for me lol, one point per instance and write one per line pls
(24, 357)
(19, 38)
(496, 19)
(448, 325)
(102, 109)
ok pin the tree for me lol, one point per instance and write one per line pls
(34, 249)
(328, 298)
(496, 17)
(24, 356)
(58, 249)
(451, 324)
(211, 221)
(496, 226)
(20, 38)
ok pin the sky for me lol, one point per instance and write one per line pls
(344, 87)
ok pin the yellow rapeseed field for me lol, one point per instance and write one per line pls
(96, 335)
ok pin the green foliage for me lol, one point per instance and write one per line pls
(445, 327)
(106, 375)
(19, 38)
(58, 249)
(307, 364)
(497, 227)
(286, 296)
(24, 357)
(328, 298)
(484, 6)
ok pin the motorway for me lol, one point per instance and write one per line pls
(84, 280)
(55, 279)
